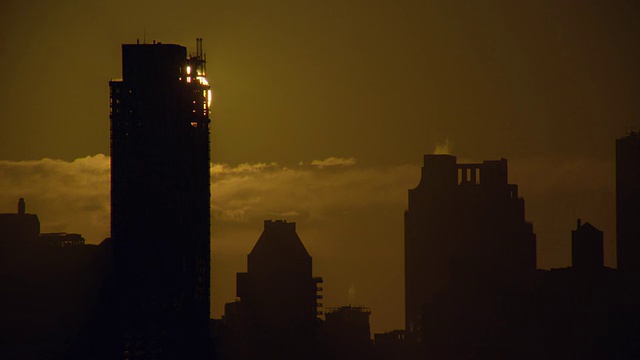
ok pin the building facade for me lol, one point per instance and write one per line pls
(587, 244)
(50, 285)
(465, 232)
(160, 197)
(347, 333)
(277, 315)
(628, 202)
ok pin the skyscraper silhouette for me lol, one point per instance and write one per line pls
(465, 233)
(278, 297)
(160, 198)
(628, 202)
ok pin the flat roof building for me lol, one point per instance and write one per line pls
(160, 196)
(628, 202)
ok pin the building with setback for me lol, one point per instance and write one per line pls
(465, 234)
(160, 198)
(276, 317)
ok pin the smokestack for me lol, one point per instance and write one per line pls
(21, 206)
(579, 223)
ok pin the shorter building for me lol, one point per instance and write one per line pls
(52, 287)
(276, 316)
(18, 230)
(347, 333)
(586, 311)
(393, 345)
(587, 247)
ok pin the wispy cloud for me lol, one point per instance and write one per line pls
(68, 196)
(334, 161)
(302, 192)
(73, 196)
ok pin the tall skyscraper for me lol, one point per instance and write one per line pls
(628, 202)
(465, 232)
(160, 197)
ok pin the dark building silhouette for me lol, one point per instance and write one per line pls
(347, 333)
(276, 316)
(587, 311)
(465, 234)
(587, 247)
(392, 345)
(63, 239)
(50, 285)
(160, 199)
(628, 202)
(18, 229)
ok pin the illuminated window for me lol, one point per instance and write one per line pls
(194, 124)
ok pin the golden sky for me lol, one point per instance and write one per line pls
(548, 85)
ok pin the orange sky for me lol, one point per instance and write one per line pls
(548, 85)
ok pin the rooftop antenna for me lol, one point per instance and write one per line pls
(200, 56)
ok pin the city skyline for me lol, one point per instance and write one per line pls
(373, 124)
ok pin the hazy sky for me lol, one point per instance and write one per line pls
(374, 85)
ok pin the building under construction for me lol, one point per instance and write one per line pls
(160, 198)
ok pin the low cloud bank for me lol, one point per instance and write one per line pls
(349, 216)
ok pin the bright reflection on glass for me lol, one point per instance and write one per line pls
(206, 94)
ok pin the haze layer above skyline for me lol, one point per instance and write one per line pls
(548, 85)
